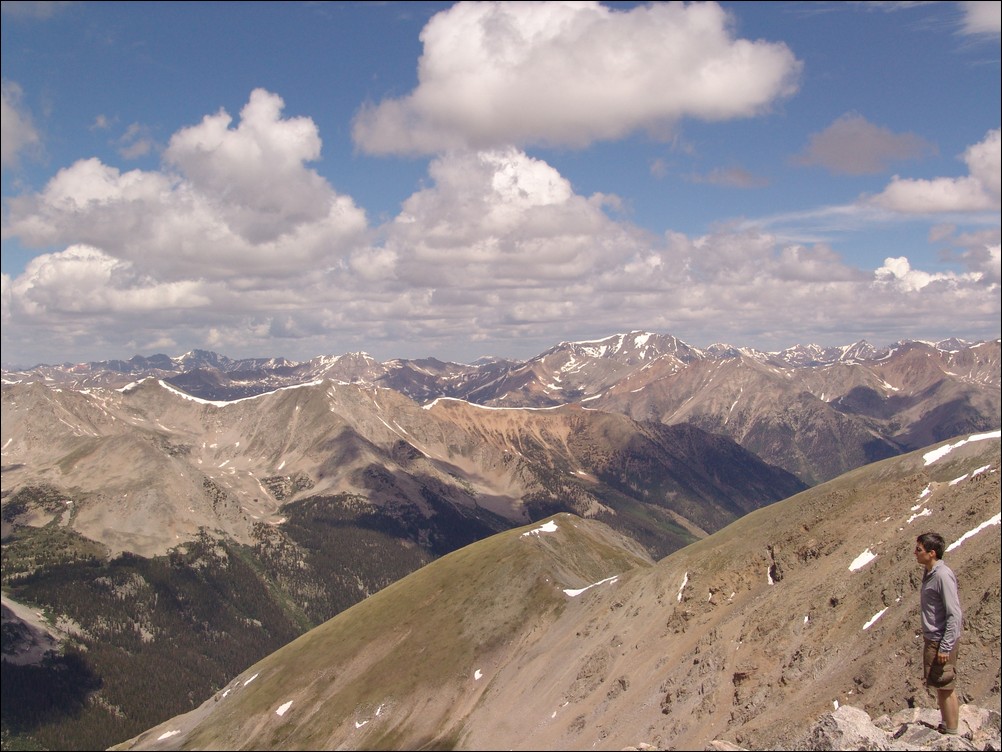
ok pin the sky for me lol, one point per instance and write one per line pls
(478, 179)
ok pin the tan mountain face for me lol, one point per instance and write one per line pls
(319, 493)
(563, 635)
(145, 468)
(815, 411)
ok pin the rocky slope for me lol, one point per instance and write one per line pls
(316, 485)
(563, 635)
(848, 727)
(144, 468)
(814, 411)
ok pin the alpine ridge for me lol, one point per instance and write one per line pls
(144, 468)
(816, 411)
(188, 516)
(558, 635)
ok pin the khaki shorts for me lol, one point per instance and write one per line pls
(938, 676)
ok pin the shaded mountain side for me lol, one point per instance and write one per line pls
(663, 485)
(943, 410)
(148, 519)
(786, 407)
(771, 413)
(790, 412)
(559, 635)
(704, 479)
(193, 617)
(145, 469)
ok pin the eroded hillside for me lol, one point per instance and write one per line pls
(554, 637)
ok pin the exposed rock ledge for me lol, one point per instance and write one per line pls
(849, 728)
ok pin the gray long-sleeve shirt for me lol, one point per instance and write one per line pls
(942, 618)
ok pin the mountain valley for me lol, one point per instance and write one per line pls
(559, 635)
(199, 513)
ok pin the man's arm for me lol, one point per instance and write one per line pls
(954, 616)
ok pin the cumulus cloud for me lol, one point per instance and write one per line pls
(500, 243)
(977, 250)
(18, 133)
(977, 191)
(259, 167)
(500, 247)
(231, 202)
(501, 218)
(983, 257)
(988, 260)
(495, 249)
(555, 73)
(854, 146)
(85, 280)
(898, 272)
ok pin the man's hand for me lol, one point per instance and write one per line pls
(942, 658)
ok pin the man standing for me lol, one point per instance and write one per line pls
(942, 621)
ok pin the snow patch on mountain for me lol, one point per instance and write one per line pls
(940, 452)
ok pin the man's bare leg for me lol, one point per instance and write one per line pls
(949, 708)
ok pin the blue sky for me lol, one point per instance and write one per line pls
(457, 180)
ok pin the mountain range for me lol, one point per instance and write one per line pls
(815, 411)
(563, 634)
(204, 512)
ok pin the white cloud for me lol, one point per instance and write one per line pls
(936, 195)
(854, 146)
(986, 260)
(243, 203)
(84, 280)
(984, 160)
(494, 74)
(898, 271)
(496, 249)
(472, 266)
(978, 191)
(982, 17)
(977, 250)
(259, 167)
(18, 133)
(500, 218)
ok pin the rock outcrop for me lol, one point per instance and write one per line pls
(850, 728)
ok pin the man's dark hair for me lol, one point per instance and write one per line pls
(932, 542)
